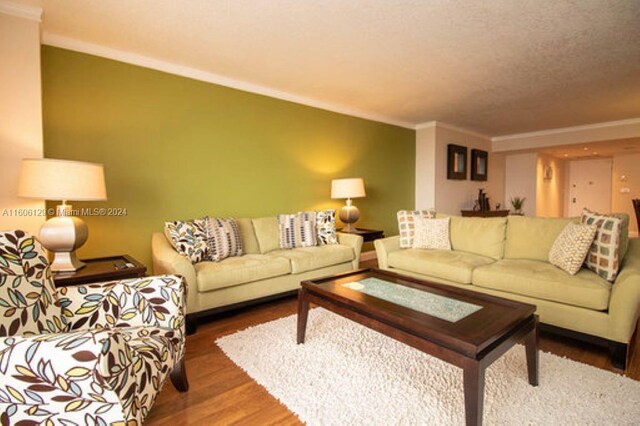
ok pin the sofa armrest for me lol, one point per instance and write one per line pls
(158, 301)
(624, 304)
(167, 261)
(353, 241)
(63, 376)
(384, 246)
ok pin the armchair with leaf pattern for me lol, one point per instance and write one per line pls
(93, 354)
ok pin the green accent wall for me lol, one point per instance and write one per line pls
(177, 148)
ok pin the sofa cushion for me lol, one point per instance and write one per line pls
(532, 237)
(483, 236)
(571, 247)
(239, 270)
(309, 258)
(448, 265)
(406, 224)
(248, 236)
(326, 227)
(297, 230)
(223, 238)
(432, 234)
(604, 255)
(542, 280)
(189, 238)
(267, 233)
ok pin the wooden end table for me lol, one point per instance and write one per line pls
(467, 329)
(367, 235)
(102, 269)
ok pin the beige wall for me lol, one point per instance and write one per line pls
(550, 193)
(520, 180)
(425, 168)
(629, 166)
(433, 189)
(21, 116)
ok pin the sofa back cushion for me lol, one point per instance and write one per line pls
(248, 236)
(532, 237)
(267, 233)
(483, 236)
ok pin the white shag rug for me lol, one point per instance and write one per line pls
(346, 374)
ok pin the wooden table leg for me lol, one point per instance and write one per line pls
(473, 393)
(303, 314)
(533, 354)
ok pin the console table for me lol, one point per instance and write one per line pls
(487, 213)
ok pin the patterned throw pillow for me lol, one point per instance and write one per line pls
(432, 234)
(326, 227)
(297, 230)
(571, 247)
(406, 224)
(189, 238)
(603, 254)
(223, 238)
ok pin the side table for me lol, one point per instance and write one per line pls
(102, 269)
(367, 235)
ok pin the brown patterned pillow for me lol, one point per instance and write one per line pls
(571, 247)
(603, 256)
(189, 238)
(297, 230)
(406, 224)
(223, 238)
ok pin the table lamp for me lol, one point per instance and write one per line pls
(62, 180)
(348, 188)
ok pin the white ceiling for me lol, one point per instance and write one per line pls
(494, 66)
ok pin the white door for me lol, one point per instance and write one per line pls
(590, 186)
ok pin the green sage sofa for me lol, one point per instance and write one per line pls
(507, 257)
(264, 270)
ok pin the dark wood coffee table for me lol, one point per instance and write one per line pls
(465, 328)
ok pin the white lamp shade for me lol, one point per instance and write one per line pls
(347, 188)
(62, 180)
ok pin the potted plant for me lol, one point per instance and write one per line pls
(517, 203)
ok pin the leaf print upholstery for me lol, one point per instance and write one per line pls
(124, 339)
(28, 301)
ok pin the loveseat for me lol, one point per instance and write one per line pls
(263, 271)
(508, 257)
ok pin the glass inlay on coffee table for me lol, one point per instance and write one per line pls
(442, 307)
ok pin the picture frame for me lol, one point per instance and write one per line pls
(479, 165)
(456, 162)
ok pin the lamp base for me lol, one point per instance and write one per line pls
(63, 235)
(66, 261)
(349, 215)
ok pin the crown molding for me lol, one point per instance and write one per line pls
(21, 11)
(429, 124)
(197, 74)
(562, 130)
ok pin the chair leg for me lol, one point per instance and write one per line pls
(192, 324)
(179, 377)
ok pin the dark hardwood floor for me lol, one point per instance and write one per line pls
(222, 393)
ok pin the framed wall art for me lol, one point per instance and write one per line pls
(479, 164)
(456, 162)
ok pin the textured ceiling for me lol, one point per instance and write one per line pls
(494, 66)
(594, 149)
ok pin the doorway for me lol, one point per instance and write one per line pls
(590, 186)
